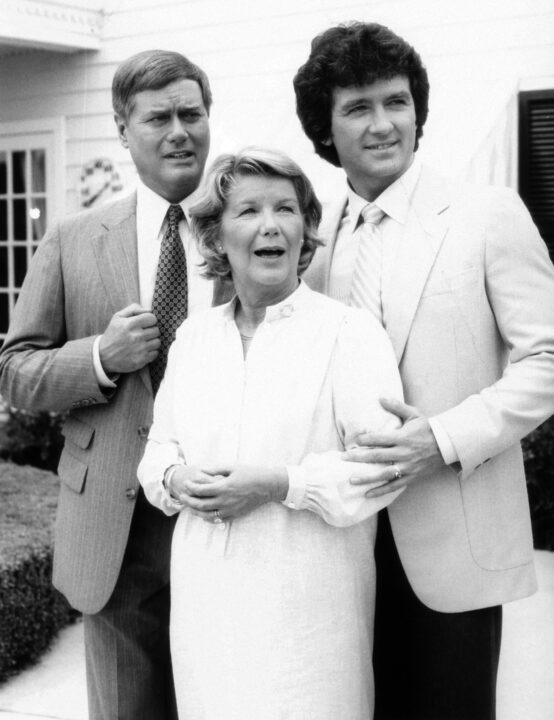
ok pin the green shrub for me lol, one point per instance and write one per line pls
(538, 454)
(31, 610)
(31, 438)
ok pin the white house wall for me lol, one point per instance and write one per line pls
(477, 53)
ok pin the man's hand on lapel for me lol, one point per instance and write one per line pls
(411, 449)
(130, 341)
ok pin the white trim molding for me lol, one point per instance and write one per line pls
(60, 26)
(55, 127)
(545, 82)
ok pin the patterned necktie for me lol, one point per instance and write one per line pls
(169, 303)
(366, 278)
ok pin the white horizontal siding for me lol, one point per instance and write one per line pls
(474, 50)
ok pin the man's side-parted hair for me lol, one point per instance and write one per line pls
(220, 181)
(354, 54)
(154, 70)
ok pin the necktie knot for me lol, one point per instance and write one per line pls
(372, 214)
(174, 215)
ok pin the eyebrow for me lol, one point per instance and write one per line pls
(402, 94)
(248, 201)
(180, 107)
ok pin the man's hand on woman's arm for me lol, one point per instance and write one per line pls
(411, 449)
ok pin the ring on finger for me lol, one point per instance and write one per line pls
(217, 517)
(397, 473)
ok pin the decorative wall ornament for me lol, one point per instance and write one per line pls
(100, 181)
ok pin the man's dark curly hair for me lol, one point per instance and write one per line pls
(354, 54)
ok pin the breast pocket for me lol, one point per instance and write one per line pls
(442, 283)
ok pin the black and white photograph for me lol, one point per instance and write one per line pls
(276, 360)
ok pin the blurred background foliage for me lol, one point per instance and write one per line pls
(31, 610)
(538, 455)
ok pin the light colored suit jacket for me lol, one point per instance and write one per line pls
(470, 313)
(84, 270)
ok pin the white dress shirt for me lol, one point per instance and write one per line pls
(151, 227)
(395, 202)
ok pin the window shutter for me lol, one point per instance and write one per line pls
(536, 159)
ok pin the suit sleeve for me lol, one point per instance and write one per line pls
(519, 279)
(40, 367)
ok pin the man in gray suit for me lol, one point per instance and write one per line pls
(89, 337)
(462, 282)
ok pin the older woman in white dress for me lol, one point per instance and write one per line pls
(272, 571)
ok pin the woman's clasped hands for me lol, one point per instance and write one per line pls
(232, 491)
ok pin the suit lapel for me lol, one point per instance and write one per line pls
(421, 240)
(318, 274)
(116, 255)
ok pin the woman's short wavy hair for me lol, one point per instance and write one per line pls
(220, 179)
(354, 54)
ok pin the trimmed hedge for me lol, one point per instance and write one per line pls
(31, 438)
(31, 610)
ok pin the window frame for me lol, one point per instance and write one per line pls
(49, 135)
(525, 183)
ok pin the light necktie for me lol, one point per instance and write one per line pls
(365, 291)
(169, 303)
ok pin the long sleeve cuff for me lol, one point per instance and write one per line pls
(157, 458)
(296, 495)
(322, 486)
(103, 380)
(446, 446)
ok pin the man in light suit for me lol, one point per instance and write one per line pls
(82, 340)
(463, 284)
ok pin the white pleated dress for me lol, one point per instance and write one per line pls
(272, 613)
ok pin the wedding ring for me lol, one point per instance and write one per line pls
(217, 517)
(397, 473)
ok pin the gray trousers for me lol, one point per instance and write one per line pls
(127, 643)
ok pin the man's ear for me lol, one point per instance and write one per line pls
(121, 125)
(328, 142)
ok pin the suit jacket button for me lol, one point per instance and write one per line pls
(130, 493)
(143, 431)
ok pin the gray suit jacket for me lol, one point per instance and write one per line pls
(84, 270)
(470, 313)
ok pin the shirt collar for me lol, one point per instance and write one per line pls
(394, 201)
(298, 299)
(152, 208)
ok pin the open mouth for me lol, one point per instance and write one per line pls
(179, 155)
(269, 252)
(382, 146)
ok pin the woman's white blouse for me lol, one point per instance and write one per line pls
(309, 384)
